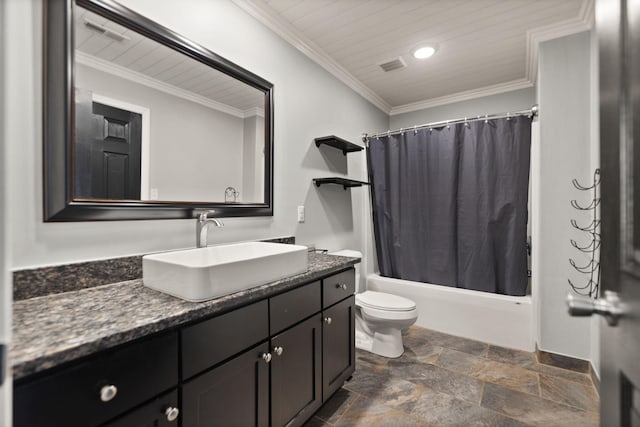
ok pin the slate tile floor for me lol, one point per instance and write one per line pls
(443, 380)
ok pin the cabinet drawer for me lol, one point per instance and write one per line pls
(212, 341)
(337, 287)
(153, 413)
(72, 397)
(293, 306)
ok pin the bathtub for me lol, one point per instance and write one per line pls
(492, 318)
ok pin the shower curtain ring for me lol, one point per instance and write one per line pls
(415, 130)
(486, 120)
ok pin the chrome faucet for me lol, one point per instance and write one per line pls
(202, 227)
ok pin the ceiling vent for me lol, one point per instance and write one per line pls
(394, 64)
(101, 29)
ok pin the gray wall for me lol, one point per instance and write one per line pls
(252, 159)
(564, 153)
(308, 103)
(515, 100)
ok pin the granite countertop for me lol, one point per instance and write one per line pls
(55, 329)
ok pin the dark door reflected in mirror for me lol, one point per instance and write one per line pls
(141, 122)
(154, 124)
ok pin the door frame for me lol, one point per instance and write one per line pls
(145, 148)
(6, 285)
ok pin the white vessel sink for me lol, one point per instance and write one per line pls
(206, 273)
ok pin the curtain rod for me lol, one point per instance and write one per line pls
(530, 113)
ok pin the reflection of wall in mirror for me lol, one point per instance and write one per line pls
(195, 151)
(253, 159)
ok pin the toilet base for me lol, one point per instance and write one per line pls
(363, 341)
(386, 342)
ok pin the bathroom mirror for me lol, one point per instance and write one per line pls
(141, 123)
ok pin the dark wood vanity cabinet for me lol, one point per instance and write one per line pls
(160, 412)
(338, 333)
(235, 393)
(338, 345)
(101, 388)
(296, 369)
(270, 363)
(296, 349)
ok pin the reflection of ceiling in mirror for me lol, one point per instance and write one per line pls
(113, 48)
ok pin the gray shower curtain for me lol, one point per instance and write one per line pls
(450, 204)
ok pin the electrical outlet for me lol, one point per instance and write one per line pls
(300, 213)
(153, 194)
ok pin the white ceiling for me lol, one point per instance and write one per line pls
(484, 46)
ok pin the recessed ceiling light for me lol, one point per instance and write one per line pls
(424, 52)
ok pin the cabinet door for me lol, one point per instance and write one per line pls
(161, 412)
(338, 345)
(296, 388)
(233, 394)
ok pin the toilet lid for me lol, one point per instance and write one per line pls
(383, 301)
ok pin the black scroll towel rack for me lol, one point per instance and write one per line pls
(592, 268)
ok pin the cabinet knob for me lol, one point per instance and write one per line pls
(278, 350)
(342, 286)
(266, 357)
(327, 320)
(108, 392)
(172, 413)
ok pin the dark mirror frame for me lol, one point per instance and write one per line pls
(59, 122)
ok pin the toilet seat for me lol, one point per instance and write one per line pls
(380, 306)
(384, 302)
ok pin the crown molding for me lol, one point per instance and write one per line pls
(263, 13)
(462, 96)
(251, 112)
(289, 33)
(139, 78)
(583, 22)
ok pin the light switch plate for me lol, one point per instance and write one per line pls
(300, 213)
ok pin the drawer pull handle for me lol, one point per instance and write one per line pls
(278, 350)
(266, 357)
(172, 413)
(342, 286)
(327, 320)
(108, 392)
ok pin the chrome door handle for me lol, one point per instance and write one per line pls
(278, 350)
(327, 320)
(610, 307)
(342, 286)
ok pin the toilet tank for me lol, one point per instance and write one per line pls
(355, 254)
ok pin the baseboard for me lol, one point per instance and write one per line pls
(564, 362)
(594, 378)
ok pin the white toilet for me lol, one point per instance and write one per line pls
(380, 317)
